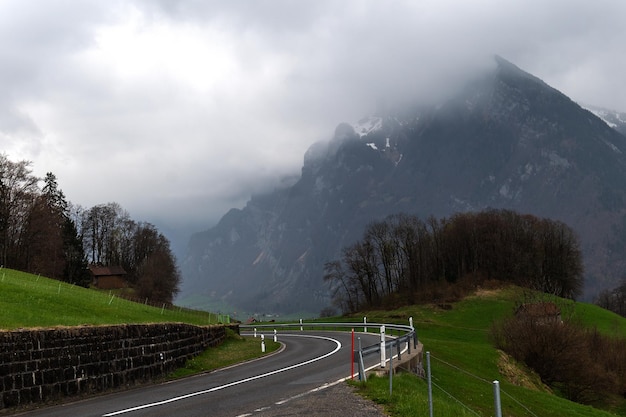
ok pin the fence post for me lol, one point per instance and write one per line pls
(496, 398)
(411, 322)
(300, 324)
(383, 359)
(255, 332)
(430, 385)
(262, 344)
(364, 324)
(275, 338)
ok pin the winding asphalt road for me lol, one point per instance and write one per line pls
(308, 362)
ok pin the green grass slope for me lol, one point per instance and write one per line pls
(28, 300)
(464, 362)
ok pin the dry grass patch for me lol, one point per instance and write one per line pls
(519, 375)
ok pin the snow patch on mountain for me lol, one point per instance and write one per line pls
(367, 125)
(613, 118)
(603, 114)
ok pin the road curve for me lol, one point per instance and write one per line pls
(309, 361)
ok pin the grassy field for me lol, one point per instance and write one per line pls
(464, 363)
(28, 300)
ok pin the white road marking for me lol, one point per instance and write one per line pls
(242, 381)
(258, 410)
(330, 384)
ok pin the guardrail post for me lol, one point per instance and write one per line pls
(262, 344)
(408, 340)
(362, 375)
(364, 324)
(275, 339)
(399, 348)
(301, 325)
(390, 369)
(255, 332)
(383, 359)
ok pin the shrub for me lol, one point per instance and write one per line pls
(582, 364)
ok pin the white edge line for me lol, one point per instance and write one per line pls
(331, 384)
(231, 384)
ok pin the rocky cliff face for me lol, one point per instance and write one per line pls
(507, 140)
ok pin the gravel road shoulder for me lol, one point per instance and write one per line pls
(337, 400)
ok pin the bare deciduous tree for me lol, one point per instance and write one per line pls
(18, 191)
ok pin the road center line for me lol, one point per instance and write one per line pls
(231, 384)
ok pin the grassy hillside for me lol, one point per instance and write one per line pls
(464, 363)
(28, 300)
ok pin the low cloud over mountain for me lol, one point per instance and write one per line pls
(504, 140)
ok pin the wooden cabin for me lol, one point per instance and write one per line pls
(108, 277)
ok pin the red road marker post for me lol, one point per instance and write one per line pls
(352, 357)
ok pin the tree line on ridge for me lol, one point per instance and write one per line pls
(405, 258)
(42, 233)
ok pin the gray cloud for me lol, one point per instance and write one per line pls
(179, 110)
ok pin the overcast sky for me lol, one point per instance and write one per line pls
(180, 110)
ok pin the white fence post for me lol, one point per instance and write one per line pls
(274, 335)
(300, 324)
(364, 324)
(262, 344)
(411, 322)
(382, 346)
(255, 332)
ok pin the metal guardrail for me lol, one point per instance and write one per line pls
(409, 335)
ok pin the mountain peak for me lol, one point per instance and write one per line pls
(506, 66)
(504, 63)
(508, 140)
(507, 71)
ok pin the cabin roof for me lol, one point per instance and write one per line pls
(103, 271)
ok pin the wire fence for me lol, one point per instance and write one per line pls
(481, 380)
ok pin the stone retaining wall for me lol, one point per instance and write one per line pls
(46, 365)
